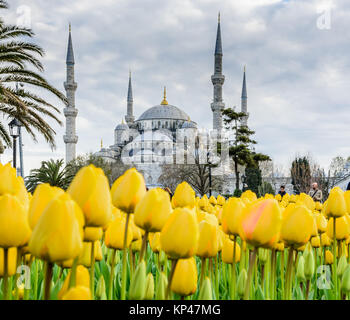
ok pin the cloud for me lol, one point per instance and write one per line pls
(296, 73)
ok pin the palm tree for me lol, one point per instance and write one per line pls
(16, 56)
(51, 172)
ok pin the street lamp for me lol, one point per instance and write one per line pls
(15, 129)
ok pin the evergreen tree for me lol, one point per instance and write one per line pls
(301, 175)
(241, 149)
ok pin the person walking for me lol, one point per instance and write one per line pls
(315, 193)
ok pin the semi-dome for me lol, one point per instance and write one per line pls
(164, 112)
(122, 126)
(189, 125)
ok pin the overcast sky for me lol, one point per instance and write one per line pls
(297, 60)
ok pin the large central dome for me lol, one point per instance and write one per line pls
(164, 112)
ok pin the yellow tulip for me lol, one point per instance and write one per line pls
(208, 240)
(184, 196)
(14, 225)
(135, 230)
(307, 200)
(220, 200)
(128, 190)
(297, 226)
(78, 293)
(92, 234)
(22, 194)
(212, 200)
(315, 242)
(329, 257)
(8, 180)
(342, 228)
(321, 222)
(58, 234)
(12, 261)
(203, 202)
(227, 252)
(154, 241)
(278, 197)
(153, 210)
(85, 256)
(82, 278)
(179, 236)
(184, 280)
(248, 194)
(114, 236)
(325, 240)
(43, 194)
(136, 245)
(231, 216)
(336, 205)
(261, 223)
(318, 206)
(90, 189)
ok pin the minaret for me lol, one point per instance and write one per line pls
(130, 105)
(70, 112)
(244, 100)
(218, 80)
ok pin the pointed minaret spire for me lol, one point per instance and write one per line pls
(244, 99)
(218, 80)
(164, 102)
(130, 104)
(70, 53)
(218, 44)
(70, 112)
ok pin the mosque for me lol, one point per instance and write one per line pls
(159, 134)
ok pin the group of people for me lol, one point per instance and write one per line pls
(315, 193)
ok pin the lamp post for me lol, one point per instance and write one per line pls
(15, 127)
(244, 180)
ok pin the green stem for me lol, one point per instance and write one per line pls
(73, 273)
(92, 271)
(48, 278)
(171, 275)
(289, 274)
(6, 278)
(111, 276)
(202, 272)
(123, 287)
(250, 271)
(335, 281)
(144, 245)
(233, 280)
(282, 271)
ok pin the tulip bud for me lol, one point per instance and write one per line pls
(184, 280)
(101, 289)
(342, 228)
(184, 196)
(231, 215)
(345, 281)
(227, 252)
(9, 184)
(342, 265)
(179, 236)
(329, 257)
(315, 242)
(90, 189)
(297, 226)
(336, 205)
(43, 194)
(128, 190)
(82, 278)
(161, 287)
(149, 292)
(261, 223)
(309, 268)
(114, 236)
(138, 282)
(78, 293)
(59, 232)
(205, 292)
(208, 240)
(263, 255)
(92, 234)
(14, 225)
(241, 282)
(325, 240)
(300, 269)
(153, 210)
